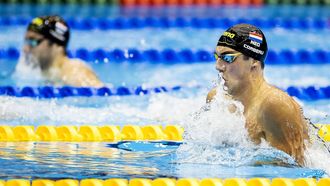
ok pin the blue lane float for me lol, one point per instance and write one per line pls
(67, 91)
(171, 56)
(177, 22)
(310, 93)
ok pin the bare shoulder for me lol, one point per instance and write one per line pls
(76, 63)
(78, 73)
(77, 67)
(283, 123)
(278, 105)
(211, 95)
(276, 98)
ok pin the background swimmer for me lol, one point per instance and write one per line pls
(270, 113)
(46, 41)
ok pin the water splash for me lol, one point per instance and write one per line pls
(27, 65)
(317, 157)
(317, 153)
(214, 135)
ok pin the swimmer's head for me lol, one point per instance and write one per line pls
(46, 39)
(54, 28)
(247, 39)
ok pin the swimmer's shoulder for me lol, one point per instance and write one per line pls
(278, 104)
(77, 66)
(76, 63)
(211, 95)
(78, 73)
(277, 96)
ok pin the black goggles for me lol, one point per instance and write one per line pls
(33, 42)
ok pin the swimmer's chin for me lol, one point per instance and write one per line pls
(225, 82)
(30, 60)
(225, 88)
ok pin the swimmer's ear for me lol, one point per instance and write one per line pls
(255, 64)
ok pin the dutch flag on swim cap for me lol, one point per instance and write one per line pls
(254, 36)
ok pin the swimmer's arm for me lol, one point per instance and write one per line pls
(211, 95)
(81, 75)
(282, 130)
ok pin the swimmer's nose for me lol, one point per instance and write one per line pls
(220, 67)
(26, 48)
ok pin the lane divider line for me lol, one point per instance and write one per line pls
(107, 133)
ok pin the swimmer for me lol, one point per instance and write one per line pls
(270, 113)
(45, 45)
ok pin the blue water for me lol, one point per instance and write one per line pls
(129, 160)
(98, 160)
(130, 74)
(147, 38)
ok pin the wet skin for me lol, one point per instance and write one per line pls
(270, 113)
(56, 67)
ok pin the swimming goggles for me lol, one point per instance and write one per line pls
(33, 42)
(228, 58)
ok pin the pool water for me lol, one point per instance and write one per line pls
(148, 38)
(214, 140)
(128, 160)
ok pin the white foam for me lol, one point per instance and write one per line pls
(209, 129)
(161, 108)
(27, 65)
(29, 110)
(213, 128)
(318, 157)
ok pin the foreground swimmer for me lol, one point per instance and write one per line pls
(270, 113)
(45, 47)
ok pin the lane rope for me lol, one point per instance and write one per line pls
(178, 22)
(310, 93)
(170, 182)
(183, 56)
(107, 133)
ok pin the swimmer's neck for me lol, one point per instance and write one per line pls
(251, 91)
(57, 63)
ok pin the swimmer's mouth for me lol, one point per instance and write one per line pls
(225, 81)
(220, 75)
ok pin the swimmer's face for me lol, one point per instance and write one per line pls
(237, 73)
(39, 47)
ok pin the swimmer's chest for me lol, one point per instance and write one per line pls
(54, 75)
(253, 123)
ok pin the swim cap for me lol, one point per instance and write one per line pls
(53, 28)
(246, 39)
